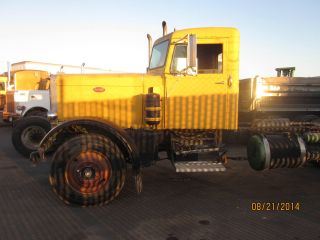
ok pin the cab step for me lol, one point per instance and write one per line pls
(199, 166)
(195, 146)
(197, 149)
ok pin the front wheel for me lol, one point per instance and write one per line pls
(28, 133)
(88, 170)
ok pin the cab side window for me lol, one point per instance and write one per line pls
(209, 58)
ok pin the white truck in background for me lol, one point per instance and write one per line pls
(31, 103)
(27, 95)
(28, 91)
(29, 98)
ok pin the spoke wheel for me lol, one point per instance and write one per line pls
(28, 133)
(32, 135)
(88, 170)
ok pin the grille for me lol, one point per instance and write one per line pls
(10, 102)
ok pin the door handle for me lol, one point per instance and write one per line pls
(230, 81)
(222, 82)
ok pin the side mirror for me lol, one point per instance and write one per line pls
(192, 51)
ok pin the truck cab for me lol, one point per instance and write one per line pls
(194, 72)
(199, 78)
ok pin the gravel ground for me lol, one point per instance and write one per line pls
(172, 206)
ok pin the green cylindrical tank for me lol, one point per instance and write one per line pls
(276, 151)
(258, 152)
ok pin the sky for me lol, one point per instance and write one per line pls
(112, 34)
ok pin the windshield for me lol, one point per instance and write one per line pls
(158, 56)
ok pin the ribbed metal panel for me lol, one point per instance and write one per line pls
(217, 111)
(10, 102)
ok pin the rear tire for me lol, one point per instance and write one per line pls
(88, 170)
(28, 133)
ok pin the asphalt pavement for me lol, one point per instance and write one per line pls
(172, 206)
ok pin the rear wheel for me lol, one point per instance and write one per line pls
(88, 170)
(28, 133)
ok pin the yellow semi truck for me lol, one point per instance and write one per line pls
(180, 107)
(3, 90)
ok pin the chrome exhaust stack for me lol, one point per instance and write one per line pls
(149, 46)
(9, 73)
(164, 28)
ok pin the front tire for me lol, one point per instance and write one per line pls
(88, 170)
(28, 133)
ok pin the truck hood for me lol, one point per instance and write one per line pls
(114, 97)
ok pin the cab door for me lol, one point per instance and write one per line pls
(198, 100)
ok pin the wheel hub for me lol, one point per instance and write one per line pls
(89, 172)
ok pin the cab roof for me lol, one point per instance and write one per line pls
(205, 32)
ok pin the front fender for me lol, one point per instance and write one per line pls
(68, 129)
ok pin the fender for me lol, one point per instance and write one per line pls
(27, 111)
(68, 129)
(32, 99)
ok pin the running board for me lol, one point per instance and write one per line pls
(199, 166)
